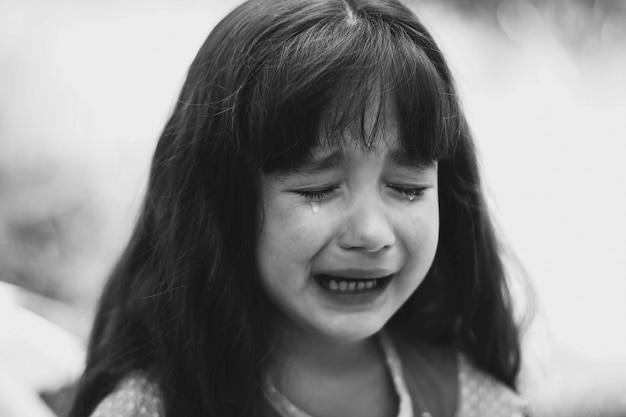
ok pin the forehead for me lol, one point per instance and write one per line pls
(323, 158)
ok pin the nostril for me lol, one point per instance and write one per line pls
(367, 240)
(367, 227)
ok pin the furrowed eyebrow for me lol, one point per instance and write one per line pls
(315, 165)
(401, 158)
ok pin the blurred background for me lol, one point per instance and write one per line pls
(86, 86)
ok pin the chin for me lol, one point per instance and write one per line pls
(351, 331)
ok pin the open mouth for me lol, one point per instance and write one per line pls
(343, 285)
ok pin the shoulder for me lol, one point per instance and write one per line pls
(480, 394)
(134, 396)
(450, 383)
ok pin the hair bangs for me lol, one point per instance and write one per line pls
(342, 76)
(426, 104)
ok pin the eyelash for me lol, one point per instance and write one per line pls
(409, 191)
(325, 192)
(317, 194)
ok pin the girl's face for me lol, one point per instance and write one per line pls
(347, 238)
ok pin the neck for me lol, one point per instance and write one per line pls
(318, 374)
(304, 362)
(319, 355)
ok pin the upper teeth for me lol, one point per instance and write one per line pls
(351, 286)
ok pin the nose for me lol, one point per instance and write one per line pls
(367, 227)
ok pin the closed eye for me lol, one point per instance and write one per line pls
(317, 194)
(411, 192)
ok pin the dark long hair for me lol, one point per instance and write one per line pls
(184, 302)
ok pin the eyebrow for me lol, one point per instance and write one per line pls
(400, 157)
(315, 165)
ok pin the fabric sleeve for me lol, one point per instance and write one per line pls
(134, 396)
(481, 395)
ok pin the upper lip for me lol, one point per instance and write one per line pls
(356, 273)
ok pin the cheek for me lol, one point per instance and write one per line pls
(292, 234)
(421, 234)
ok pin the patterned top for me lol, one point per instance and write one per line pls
(134, 396)
(479, 394)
